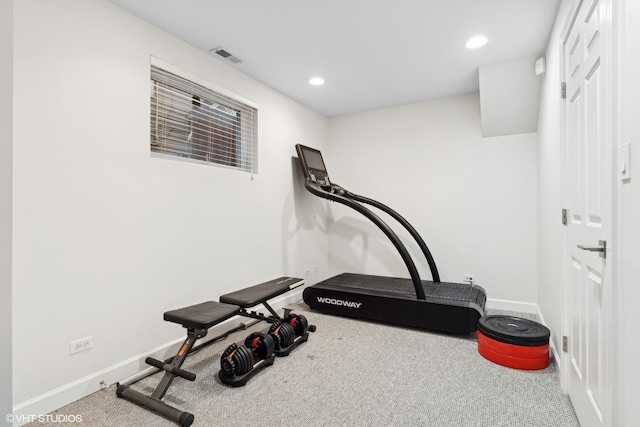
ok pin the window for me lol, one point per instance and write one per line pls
(192, 121)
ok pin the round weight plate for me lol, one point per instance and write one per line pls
(299, 324)
(287, 334)
(513, 362)
(243, 357)
(228, 366)
(520, 351)
(284, 333)
(261, 344)
(514, 330)
(228, 351)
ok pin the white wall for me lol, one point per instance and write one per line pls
(550, 191)
(6, 161)
(509, 97)
(629, 372)
(107, 237)
(472, 199)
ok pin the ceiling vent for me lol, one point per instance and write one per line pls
(226, 55)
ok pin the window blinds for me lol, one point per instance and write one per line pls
(192, 121)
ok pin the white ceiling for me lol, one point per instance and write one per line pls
(371, 53)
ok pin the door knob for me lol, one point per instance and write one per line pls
(602, 248)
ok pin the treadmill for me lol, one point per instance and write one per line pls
(453, 308)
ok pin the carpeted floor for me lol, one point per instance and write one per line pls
(351, 373)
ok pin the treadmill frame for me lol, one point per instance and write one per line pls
(375, 305)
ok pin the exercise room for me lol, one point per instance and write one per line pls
(291, 213)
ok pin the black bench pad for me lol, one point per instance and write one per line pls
(254, 295)
(202, 316)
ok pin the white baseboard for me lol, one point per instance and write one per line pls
(517, 306)
(556, 354)
(28, 410)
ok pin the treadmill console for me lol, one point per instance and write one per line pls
(313, 165)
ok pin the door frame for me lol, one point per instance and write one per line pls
(613, 37)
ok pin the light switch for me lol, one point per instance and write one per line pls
(625, 162)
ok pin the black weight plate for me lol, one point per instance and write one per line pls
(244, 360)
(514, 330)
(228, 351)
(299, 324)
(287, 333)
(261, 344)
(284, 333)
(228, 367)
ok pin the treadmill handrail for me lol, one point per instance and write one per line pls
(316, 189)
(414, 233)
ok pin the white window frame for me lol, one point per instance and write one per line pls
(192, 119)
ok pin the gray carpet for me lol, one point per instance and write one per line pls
(351, 373)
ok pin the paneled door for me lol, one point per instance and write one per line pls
(589, 202)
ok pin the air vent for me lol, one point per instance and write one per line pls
(226, 55)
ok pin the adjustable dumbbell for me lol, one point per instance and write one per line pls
(236, 360)
(300, 324)
(262, 345)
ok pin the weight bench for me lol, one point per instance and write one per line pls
(198, 319)
(260, 294)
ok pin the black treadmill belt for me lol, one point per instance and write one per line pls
(404, 287)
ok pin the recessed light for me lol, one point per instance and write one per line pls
(316, 81)
(476, 42)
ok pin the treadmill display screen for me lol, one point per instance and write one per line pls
(313, 165)
(314, 160)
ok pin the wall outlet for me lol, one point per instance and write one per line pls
(306, 272)
(80, 345)
(469, 278)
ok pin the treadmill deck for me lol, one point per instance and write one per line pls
(448, 307)
(400, 287)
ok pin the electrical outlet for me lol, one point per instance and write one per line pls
(306, 271)
(469, 278)
(80, 345)
(316, 269)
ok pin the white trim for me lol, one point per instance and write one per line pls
(173, 157)
(616, 361)
(133, 366)
(555, 352)
(167, 66)
(563, 359)
(517, 306)
(555, 355)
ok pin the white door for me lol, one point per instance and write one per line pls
(588, 195)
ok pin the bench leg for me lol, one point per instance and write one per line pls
(275, 317)
(271, 310)
(177, 362)
(185, 419)
(172, 370)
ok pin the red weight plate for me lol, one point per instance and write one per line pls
(513, 362)
(518, 351)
